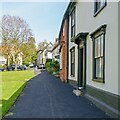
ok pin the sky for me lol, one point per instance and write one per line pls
(44, 18)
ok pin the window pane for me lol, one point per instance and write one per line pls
(72, 55)
(101, 45)
(102, 3)
(73, 30)
(101, 63)
(99, 4)
(96, 48)
(73, 23)
(73, 69)
(98, 67)
(73, 61)
(73, 19)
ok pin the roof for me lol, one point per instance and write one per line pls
(49, 48)
(56, 44)
(70, 5)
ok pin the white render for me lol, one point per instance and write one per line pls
(2, 60)
(44, 54)
(71, 45)
(55, 52)
(60, 60)
(49, 55)
(86, 22)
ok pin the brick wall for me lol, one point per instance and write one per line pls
(63, 43)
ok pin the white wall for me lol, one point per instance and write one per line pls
(60, 60)
(87, 23)
(2, 59)
(49, 55)
(56, 52)
(71, 44)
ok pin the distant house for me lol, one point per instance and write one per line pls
(55, 50)
(17, 60)
(45, 53)
(3, 60)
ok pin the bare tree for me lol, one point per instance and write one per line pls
(15, 32)
(42, 44)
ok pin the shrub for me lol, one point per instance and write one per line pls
(52, 66)
(4, 66)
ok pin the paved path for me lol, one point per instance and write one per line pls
(46, 97)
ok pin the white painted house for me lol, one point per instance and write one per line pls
(3, 60)
(44, 54)
(55, 51)
(93, 52)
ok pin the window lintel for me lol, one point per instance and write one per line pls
(102, 28)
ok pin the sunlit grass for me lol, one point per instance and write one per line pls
(12, 84)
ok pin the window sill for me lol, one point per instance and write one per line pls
(97, 12)
(98, 80)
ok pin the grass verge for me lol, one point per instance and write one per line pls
(7, 104)
(12, 84)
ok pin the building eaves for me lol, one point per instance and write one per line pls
(66, 15)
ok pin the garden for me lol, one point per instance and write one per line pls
(12, 84)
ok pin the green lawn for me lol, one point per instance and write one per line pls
(12, 84)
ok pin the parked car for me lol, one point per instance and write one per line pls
(10, 67)
(31, 65)
(41, 66)
(22, 67)
(1, 69)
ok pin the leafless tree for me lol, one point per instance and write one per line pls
(15, 32)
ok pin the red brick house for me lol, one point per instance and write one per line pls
(63, 51)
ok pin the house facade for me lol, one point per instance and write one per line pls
(2, 60)
(93, 52)
(17, 60)
(44, 54)
(39, 57)
(55, 50)
(63, 50)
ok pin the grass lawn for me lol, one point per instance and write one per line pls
(12, 84)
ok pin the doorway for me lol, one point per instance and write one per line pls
(81, 68)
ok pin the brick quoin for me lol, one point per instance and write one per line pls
(63, 43)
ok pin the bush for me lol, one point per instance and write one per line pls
(4, 66)
(52, 66)
(26, 63)
(48, 60)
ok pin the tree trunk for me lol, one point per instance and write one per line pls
(8, 60)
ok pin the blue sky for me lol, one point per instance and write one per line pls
(44, 18)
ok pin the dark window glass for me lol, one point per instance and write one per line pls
(73, 61)
(99, 5)
(98, 57)
(73, 23)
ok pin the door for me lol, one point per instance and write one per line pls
(81, 67)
